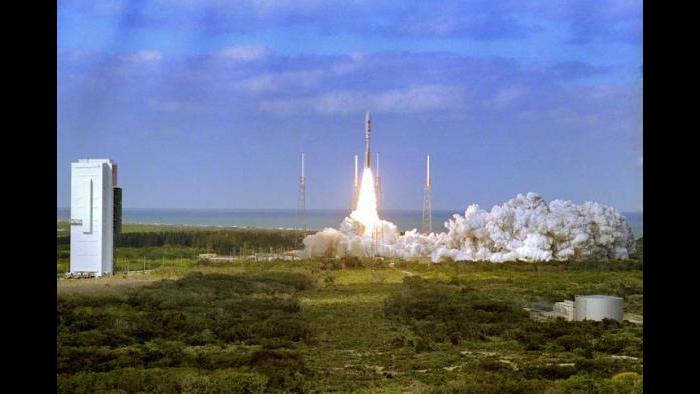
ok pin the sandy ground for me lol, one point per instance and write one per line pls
(634, 318)
(546, 315)
(113, 284)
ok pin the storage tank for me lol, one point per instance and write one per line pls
(598, 307)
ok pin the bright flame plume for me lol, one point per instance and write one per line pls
(366, 211)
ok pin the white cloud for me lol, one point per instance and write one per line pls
(416, 99)
(243, 53)
(356, 60)
(506, 96)
(573, 117)
(143, 57)
(177, 106)
(438, 26)
(280, 81)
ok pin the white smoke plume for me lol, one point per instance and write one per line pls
(524, 228)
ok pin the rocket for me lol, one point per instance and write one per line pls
(368, 133)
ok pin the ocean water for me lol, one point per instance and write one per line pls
(315, 219)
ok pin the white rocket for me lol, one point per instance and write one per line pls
(368, 133)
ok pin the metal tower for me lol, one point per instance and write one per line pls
(355, 188)
(378, 186)
(301, 208)
(428, 202)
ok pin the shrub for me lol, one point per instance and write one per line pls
(148, 332)
(489, 364)
(351, 262)
(581, 384)
(549, 372)
(500, 384)
(175, 380)
(455, 338)
(284, 368)
(570, 342)
(440, 312)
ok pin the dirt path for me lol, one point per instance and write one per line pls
(634, 318)
(99, 285)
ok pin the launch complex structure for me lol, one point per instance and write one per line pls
(375, 203)
(378, 230)
(301, 205)
(427, 200)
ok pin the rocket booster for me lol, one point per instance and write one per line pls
(368, 133)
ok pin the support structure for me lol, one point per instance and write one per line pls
(428, 201)
(301, 207)
(117, 216)
(355, 188)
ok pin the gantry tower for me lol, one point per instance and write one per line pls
(301, 206)
(378, 186)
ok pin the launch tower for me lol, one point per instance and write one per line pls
(301, 207)
(428, 201)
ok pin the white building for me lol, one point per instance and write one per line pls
(564, 309)
(590, 307)
(91, 213)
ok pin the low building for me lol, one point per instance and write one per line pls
(589, 307)
(564, 309)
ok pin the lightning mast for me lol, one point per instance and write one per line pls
(301, 207)
(378, 186)
(379, 238)
(428, 201)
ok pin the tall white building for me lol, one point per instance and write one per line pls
(92, 216)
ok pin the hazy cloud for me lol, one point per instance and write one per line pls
(243, 53)
(436, 84)
(177, 106)
(506, 96)
(143, 57)
(408, 100)
(265, 83)
(586, 21)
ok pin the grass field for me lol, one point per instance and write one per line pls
(63, 228)
(350, 342)
(341, 325)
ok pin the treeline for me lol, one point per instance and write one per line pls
(217, 241)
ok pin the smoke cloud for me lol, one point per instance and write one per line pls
(523, 228)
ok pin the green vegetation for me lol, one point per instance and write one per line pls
(220, 241)
(164, 245)
(362, 325)
(443, 314)
(242, 327)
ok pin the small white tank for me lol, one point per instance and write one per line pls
(598, 307)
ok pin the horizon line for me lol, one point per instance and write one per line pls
(309, 209)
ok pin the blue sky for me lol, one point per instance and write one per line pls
(208, 104)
